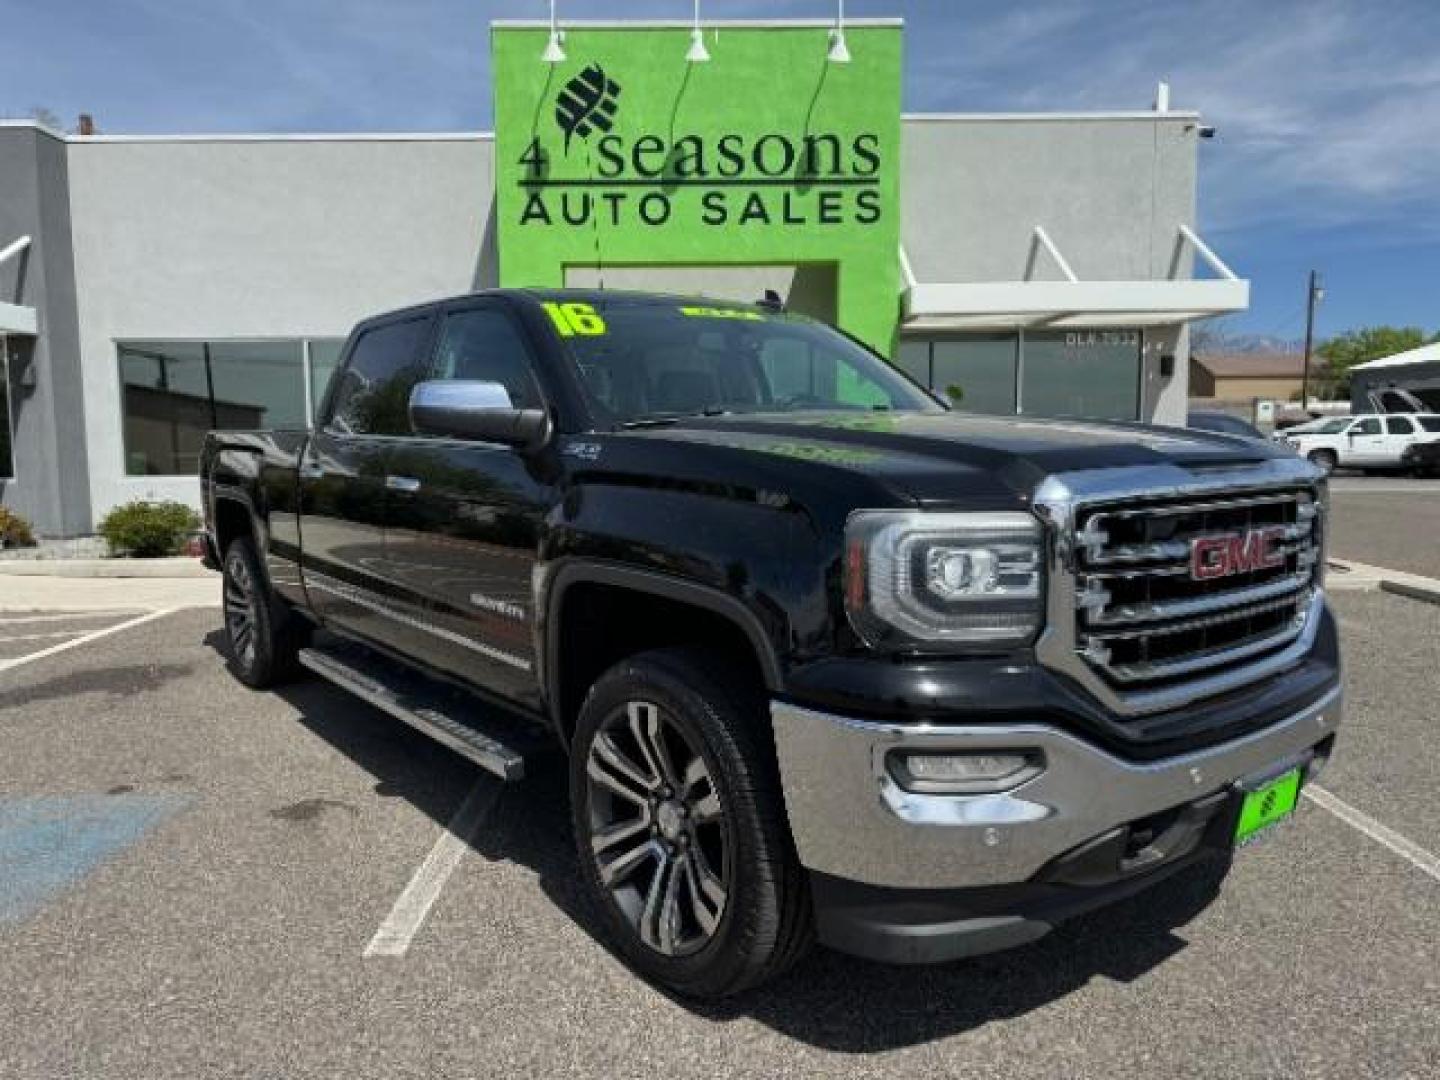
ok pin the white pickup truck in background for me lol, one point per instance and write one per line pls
(1367, 441)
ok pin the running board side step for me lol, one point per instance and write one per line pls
(447, 716)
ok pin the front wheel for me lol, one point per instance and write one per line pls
(264, 637)
(1324, 460)
(681, 828)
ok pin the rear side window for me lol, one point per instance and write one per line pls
(484, 344)
(1399, 425)
(1430, 423)
(372, 396)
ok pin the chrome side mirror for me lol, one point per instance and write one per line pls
(473, 409)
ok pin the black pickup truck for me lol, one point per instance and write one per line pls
(828, 658)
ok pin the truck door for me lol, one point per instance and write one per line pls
(344, 477)
(466, 516)
(1364, 443)
(1399, 433)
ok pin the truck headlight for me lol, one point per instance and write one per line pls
(943, 580)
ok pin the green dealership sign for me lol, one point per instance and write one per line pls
(625, 154)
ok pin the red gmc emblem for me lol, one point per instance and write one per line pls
(1224, 554)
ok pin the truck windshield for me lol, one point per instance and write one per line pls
(644, 361)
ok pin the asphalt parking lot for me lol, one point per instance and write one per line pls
(1391, 521)
(208, 881)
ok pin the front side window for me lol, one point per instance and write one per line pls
(372, 396)
(1399, 425)
(1430, 423)
(642, 359)
(1365, 427)
(484, 344)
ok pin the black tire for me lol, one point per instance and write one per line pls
(1323, 459)
(264, 636)
(690, 700)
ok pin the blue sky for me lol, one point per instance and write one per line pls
(1328, 153)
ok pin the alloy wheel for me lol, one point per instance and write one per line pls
(239, 595)
(658, 832)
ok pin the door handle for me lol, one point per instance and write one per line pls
(310, 471)
(407, 484)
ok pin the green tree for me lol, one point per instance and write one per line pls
(1344, 351)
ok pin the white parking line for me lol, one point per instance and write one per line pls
(406, 917)
(1408, 850)
(39, 637)
(67, 616)
(7, 665)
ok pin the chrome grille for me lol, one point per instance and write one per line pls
(1143, 621)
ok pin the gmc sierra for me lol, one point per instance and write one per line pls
(828, 658)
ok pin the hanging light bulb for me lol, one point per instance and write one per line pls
(555, 48)
(839, 52)
(697, 53)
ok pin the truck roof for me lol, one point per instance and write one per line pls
(541, 295)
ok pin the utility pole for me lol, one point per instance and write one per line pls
(1315, 295)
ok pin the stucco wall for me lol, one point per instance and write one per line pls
(263, 238)
(1110, 192)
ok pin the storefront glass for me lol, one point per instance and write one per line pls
(174, 392)
(1090, 373)
(324, 359)
(976, 373)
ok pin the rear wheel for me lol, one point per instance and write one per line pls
(264, 636)
(1323, 459)
(681, 827)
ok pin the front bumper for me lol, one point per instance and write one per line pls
(851, 819)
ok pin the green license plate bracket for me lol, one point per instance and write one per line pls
(1267, 806)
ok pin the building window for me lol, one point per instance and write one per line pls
(7, 462)
(176, 391)
(324, 356)
(913, 358)
(1091, 373)
(977, 373)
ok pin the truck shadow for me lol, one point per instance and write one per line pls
(830, 1001)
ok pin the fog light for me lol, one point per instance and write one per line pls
(965, 773)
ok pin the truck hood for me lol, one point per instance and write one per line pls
(954, 456)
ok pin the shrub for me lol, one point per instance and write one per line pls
(147, 530)
(15, 531)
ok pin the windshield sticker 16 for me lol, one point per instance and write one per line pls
(574, 318)
(722, 313)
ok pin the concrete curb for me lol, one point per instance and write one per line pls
(1414, 592)
(1357, 575)
(182, 566)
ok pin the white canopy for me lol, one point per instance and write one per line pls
(1425, 354)
(1070, 302)
(15, 319)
